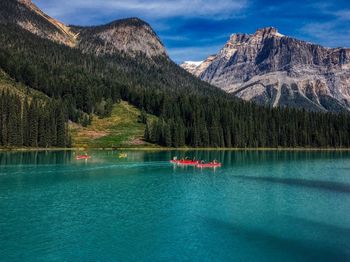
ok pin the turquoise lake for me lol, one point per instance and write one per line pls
(260, 206)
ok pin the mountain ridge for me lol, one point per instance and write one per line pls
(272, 69)
(29, 17)
(131, 35)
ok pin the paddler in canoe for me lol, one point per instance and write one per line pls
(188, 162)
(214, 163)
(84, 156)
(123, 155)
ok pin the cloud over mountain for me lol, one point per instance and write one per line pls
(185, 26)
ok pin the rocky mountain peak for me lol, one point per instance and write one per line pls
(27, 15)
(26, 2)
(267, 31)
(132, 36)
(132, 21)
(270, 69)
(259, 35)
(197, 67)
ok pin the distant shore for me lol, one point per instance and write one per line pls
(27, 149)
(231, 149)
(10, 149)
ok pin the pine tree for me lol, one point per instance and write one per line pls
(167, 136)
(61, 129)
(143, 117)
(147, 134)
(25, 122)
(33, 123)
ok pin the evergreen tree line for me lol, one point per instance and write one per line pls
(32, 124)
(253, 126)
(190, 112)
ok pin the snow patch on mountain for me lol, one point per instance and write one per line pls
(195, 63)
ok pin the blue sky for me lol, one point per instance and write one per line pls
(194, 29)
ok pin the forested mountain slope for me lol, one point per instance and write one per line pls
(10, 86)
(190, 112)
(28, 16)
(28, 118)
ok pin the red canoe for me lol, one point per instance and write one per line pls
(82, 157)
(203, 165)
(185, 162)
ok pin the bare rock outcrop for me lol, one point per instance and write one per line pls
(272, 69)
(130, 36)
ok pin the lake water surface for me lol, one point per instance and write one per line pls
(260, 206)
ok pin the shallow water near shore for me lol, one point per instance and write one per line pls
(260, 206)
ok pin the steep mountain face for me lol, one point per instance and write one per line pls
(191, 66)
(130, 36)
(197, 68)
(28, 16)
(270, 68)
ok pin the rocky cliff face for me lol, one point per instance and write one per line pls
(272, 69)
(197, 68)
(28, 16)
(191, 66)
(130, 36)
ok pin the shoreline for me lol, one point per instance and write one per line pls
(234, 149)
(172, 149)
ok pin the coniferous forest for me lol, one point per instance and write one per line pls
(32, 124)
(190, 112)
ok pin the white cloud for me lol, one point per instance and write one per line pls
(343, 15)
(150, 8)
(157, 12)
(330, 34)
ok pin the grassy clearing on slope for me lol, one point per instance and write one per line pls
(121, 129)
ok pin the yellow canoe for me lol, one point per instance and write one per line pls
(123, 155)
